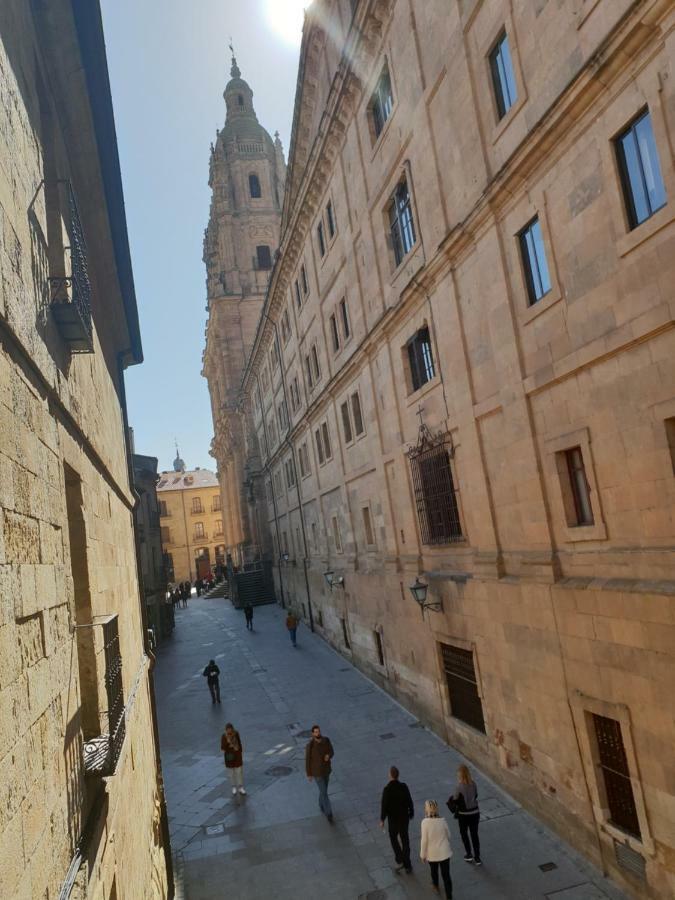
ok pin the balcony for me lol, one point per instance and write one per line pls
(102, 751)
(200, 537)
(197, 512)
(70, 294)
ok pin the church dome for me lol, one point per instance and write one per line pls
(241, 123)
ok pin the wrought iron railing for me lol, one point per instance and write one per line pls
(435, 490)
(102, 752)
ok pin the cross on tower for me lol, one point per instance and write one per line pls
(418, 412)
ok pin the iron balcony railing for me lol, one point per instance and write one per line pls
(70, 293)
(102, 752)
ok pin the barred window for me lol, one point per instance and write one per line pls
(435, 495)
(420, 359)
(382, 102)
(460, 676)
(616, 775)
(401, 225)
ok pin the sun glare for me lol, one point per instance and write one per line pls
(285, 18)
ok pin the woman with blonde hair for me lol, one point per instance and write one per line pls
(464, 803)
(435, 846)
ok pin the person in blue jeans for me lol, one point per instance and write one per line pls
(292, 625)
(318, 754)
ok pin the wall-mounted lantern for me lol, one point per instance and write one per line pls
(419, 592)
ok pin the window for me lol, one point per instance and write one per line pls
(219, 526)
(643, 189)
(274, 356)
(265, 378)
(534, 261)
(240, 99)
(289, 466)
(319, 446)
(379, 647)
(368, 526)
(162, 508)
(295, 394)
(344, 317)
(272, 431)
(356, 414)
(420, 359)
(326, 440)
(401, 225)
(615, 774)
(254, 186)
(197, 505)
(503, 79)
(165, 534)
(215, 504)
(334, 333)
(285, 326)
(199, 529)
(460, 675)
(303, 458)
(303, 280)
(330, 219)
(345, 635)
(322, 240)
(670, 438)
(337, 537)
(282, 414)
(435, 496)
(575, 487)
(278, 486)
(346, 422)
(315, 536)
(298, 297)
(316, 369)
(382, 102)
(308, 370)
(263, 257)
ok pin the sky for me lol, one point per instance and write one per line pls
(169, 62)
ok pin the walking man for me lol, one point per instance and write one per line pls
(318, 754)
(292, 625)
(211, 673)
(397, 808)
(248, 612)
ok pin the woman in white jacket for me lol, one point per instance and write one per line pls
(435, 847)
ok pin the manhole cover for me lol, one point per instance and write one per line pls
(388, 736)
(548, 867)
(279, 771)
(215, 829)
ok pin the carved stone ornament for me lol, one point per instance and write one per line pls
(428, 440)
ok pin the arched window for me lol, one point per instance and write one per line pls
(254, 185)
(263, 257)
(240, 99)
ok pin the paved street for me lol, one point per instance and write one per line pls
(274, 843)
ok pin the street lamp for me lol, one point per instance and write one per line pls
(419, 592)
(284, 557)
(332, 579)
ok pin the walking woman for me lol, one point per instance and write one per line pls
(435, 846)
(230, 744)
(468, 814)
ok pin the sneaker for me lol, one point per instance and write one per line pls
(477, 862)
(234, 791)
(399, 868)
(242, 790)
(468, 857)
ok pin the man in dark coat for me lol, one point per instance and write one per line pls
(248, 612)
(211, 673)
(318, 754)
(397, 808)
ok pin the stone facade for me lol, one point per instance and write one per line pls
(191, 520)
(81, 805)
(480, 381)
(247, 176)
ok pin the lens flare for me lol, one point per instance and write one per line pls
(285, 18)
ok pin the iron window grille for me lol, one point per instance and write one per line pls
(503, 79)
(101, 753)
(460, 675)
(420, 359)
(434, 488)
(534, 261)
(382, 102)
(640, 170)
(401, 225)
(70, 293)
(616, 776)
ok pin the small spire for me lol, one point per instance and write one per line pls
(234, 69)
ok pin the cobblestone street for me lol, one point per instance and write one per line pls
(274, 842)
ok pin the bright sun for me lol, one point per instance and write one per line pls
(285, 18)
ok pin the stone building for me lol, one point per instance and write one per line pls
(81, 805)
(246, 176)
(191, 521)
(463, 381)
(159, 609)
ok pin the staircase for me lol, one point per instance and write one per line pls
(222, 589)
(255, 586)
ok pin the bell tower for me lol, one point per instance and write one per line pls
(247, 175)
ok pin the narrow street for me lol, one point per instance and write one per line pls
(274, 842)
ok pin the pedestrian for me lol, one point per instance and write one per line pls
(464, 805)
(318, 754)
(248, 612)
(187, 591)
(292, 625)
(211, 673)
(230, 744)
(397, 808)
(435, 846)
(198, 586)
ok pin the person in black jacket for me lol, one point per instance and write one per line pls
(397, 808)
(211, 673)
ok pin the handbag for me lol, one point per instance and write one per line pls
(456, 805)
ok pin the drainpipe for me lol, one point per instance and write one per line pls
(164, 819)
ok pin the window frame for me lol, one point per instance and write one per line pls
(531, 262)
(337, 535)
(558, 481)
(251, 182)
(498, 87)
(334, 332)
(345, 320)
(381, 108)
(323, 248)
(416, 367)
(401, 221)
(629, 202)
(331, 220)
(303, 280)
(261, 267)
(368, 526)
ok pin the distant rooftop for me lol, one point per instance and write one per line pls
(181, 481)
